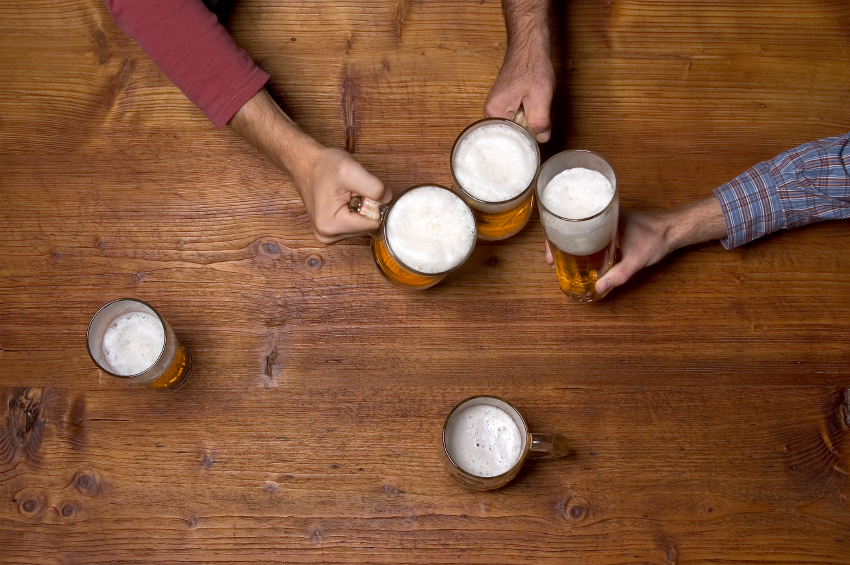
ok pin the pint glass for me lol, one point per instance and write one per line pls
(583, 247)
(128, 339)
(426, 233)
(494, 163)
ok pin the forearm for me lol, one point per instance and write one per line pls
(695, 223)
(527, 23)
(262, 123)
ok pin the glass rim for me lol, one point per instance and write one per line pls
(390, 207)
(476, 125)
(158, 357)
(607, 206)
(524, 431)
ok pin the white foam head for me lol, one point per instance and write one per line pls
(484, 440)
(430, 229)
(133, 342)
(495, 162)
(576, 194)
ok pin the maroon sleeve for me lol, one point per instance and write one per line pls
(189, 45)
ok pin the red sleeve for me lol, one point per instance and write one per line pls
(195, 52)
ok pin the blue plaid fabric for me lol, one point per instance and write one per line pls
(807, 184)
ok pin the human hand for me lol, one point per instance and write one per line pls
(643, 242)
(526, 80)
(646, 238)
(332, 178)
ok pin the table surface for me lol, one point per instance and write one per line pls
(707, 403)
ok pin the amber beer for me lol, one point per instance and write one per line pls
(128, 339)
(579, 203)
(425, 233)
(494, 163)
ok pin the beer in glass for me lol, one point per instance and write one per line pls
(579, 204)
(494, 163)
(128, 339)
(425, 233)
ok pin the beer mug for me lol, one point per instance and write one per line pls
(494, 163)
(486, 441)
(578, 200)
(426, 233)
(128, 339)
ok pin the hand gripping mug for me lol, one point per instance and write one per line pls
(494, 163)
(426, 232)
(486, 441)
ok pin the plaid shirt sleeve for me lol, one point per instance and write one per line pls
(807, 184)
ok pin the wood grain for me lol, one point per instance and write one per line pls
(706, 402)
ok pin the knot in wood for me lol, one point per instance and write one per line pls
(576, 509)
(31, 504)
(390, 489)
(271, 248)
(68, 511)
(672, 555)
(314, 262)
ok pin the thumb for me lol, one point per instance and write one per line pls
(617, 275)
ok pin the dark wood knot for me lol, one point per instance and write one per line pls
(672, 555)
(576, 509)
(314, 262)
(69, 511)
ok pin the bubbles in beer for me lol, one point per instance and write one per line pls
(578, 193)
(484, 440)
(133, 342)
(495, 162)
(430, 229)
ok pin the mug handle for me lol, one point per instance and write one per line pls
(546, 446)
(519, 118)
(372, 209)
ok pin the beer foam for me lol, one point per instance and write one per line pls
(430, 229)
(578, 193)
(133, 342)
(484, 440)
(495, 163)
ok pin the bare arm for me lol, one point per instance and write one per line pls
(526, 78)
(645, 238)
(325, 178)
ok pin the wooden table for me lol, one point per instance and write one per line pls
(707, 403)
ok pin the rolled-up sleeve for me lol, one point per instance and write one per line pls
(189, 45)
(807, 184)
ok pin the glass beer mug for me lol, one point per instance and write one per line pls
(579, 203)
(128, 339)
(494, 162)
(426, 232)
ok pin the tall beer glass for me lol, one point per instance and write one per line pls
(128, 339)
(494, 163)
(426, 233)
(579, 213)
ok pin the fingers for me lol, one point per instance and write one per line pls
(618, 274)
(354, 178)
(549, 258)
(502, 104)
